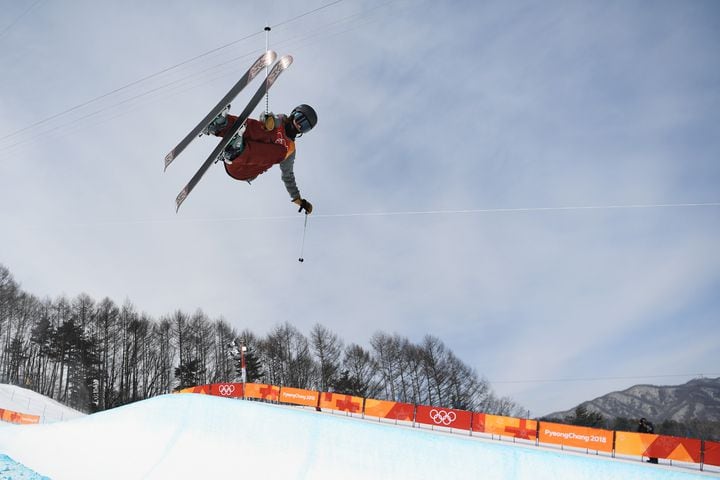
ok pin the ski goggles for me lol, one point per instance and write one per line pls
(302, 122)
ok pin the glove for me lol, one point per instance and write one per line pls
(304, 205)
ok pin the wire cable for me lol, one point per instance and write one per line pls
(181, 220)
(156, 74)
(120, 89)
(80, 123)
(178, 83)
(14, 22)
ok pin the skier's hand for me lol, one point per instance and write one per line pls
(304, 205)
(268, 120)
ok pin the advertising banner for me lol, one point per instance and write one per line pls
(676, 448)
(659, 446)
(505, 426)
(712, 453)
(443, 417)
(344, 403)
(204, 389)
(232, 390)
(576, 436)
(261, 391)
(298, 396)
(392, 410)
(18, 417)
(630, 443)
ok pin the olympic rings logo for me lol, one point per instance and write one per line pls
(442, 417)
(226, 390)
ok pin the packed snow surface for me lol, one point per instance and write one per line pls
(198, 436)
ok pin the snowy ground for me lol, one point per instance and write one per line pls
(11, 470)
(26, 401)
(199, 436)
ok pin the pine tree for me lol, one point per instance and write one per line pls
(586, 418)
(189, 374)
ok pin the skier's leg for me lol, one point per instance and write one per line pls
(235, 148)
(220, 123)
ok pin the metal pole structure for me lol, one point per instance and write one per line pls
(302, 248)
(243, 374)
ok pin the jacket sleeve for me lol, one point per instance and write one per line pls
(288, 176)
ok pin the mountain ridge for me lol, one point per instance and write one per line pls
(696, 400)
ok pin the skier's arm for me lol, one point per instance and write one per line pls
(288, 176)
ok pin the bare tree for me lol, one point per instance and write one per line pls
(387, 350)
(166, 354)
(327, 348)
(9, 291)
(65, 349)
(106, 336)
(413, 361)
(40, 337)
(502, 406)
(286, 357)
(83, 310)
(359, 373)
(224, 365)
(434, 364)
(202, 342)
(180, 335)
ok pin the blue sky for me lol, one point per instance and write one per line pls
(457, 148)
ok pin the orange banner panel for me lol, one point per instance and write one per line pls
(443, 417)
(576, 436)
(344, 403)
(658, 446)
(629, 443)
(262, 391)
(676, 448)
(506, 426)
(18, 417)
(712, 453)
(298, 396)
(387, 409)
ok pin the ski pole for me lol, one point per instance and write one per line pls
(302, 248)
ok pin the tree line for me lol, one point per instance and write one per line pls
(95, 355)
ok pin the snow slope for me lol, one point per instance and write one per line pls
(199, 436)
(26, 401)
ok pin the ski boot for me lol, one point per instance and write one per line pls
(234, 148)
(218, 123)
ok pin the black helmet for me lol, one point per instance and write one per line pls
(305, 116)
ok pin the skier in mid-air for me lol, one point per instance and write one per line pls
(265, 142)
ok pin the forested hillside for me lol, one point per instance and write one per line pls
(95, 354)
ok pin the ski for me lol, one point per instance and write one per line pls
(277, 69)
(265, 60)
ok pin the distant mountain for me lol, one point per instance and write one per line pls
(698, 399)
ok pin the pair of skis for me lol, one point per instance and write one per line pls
(262, 62)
